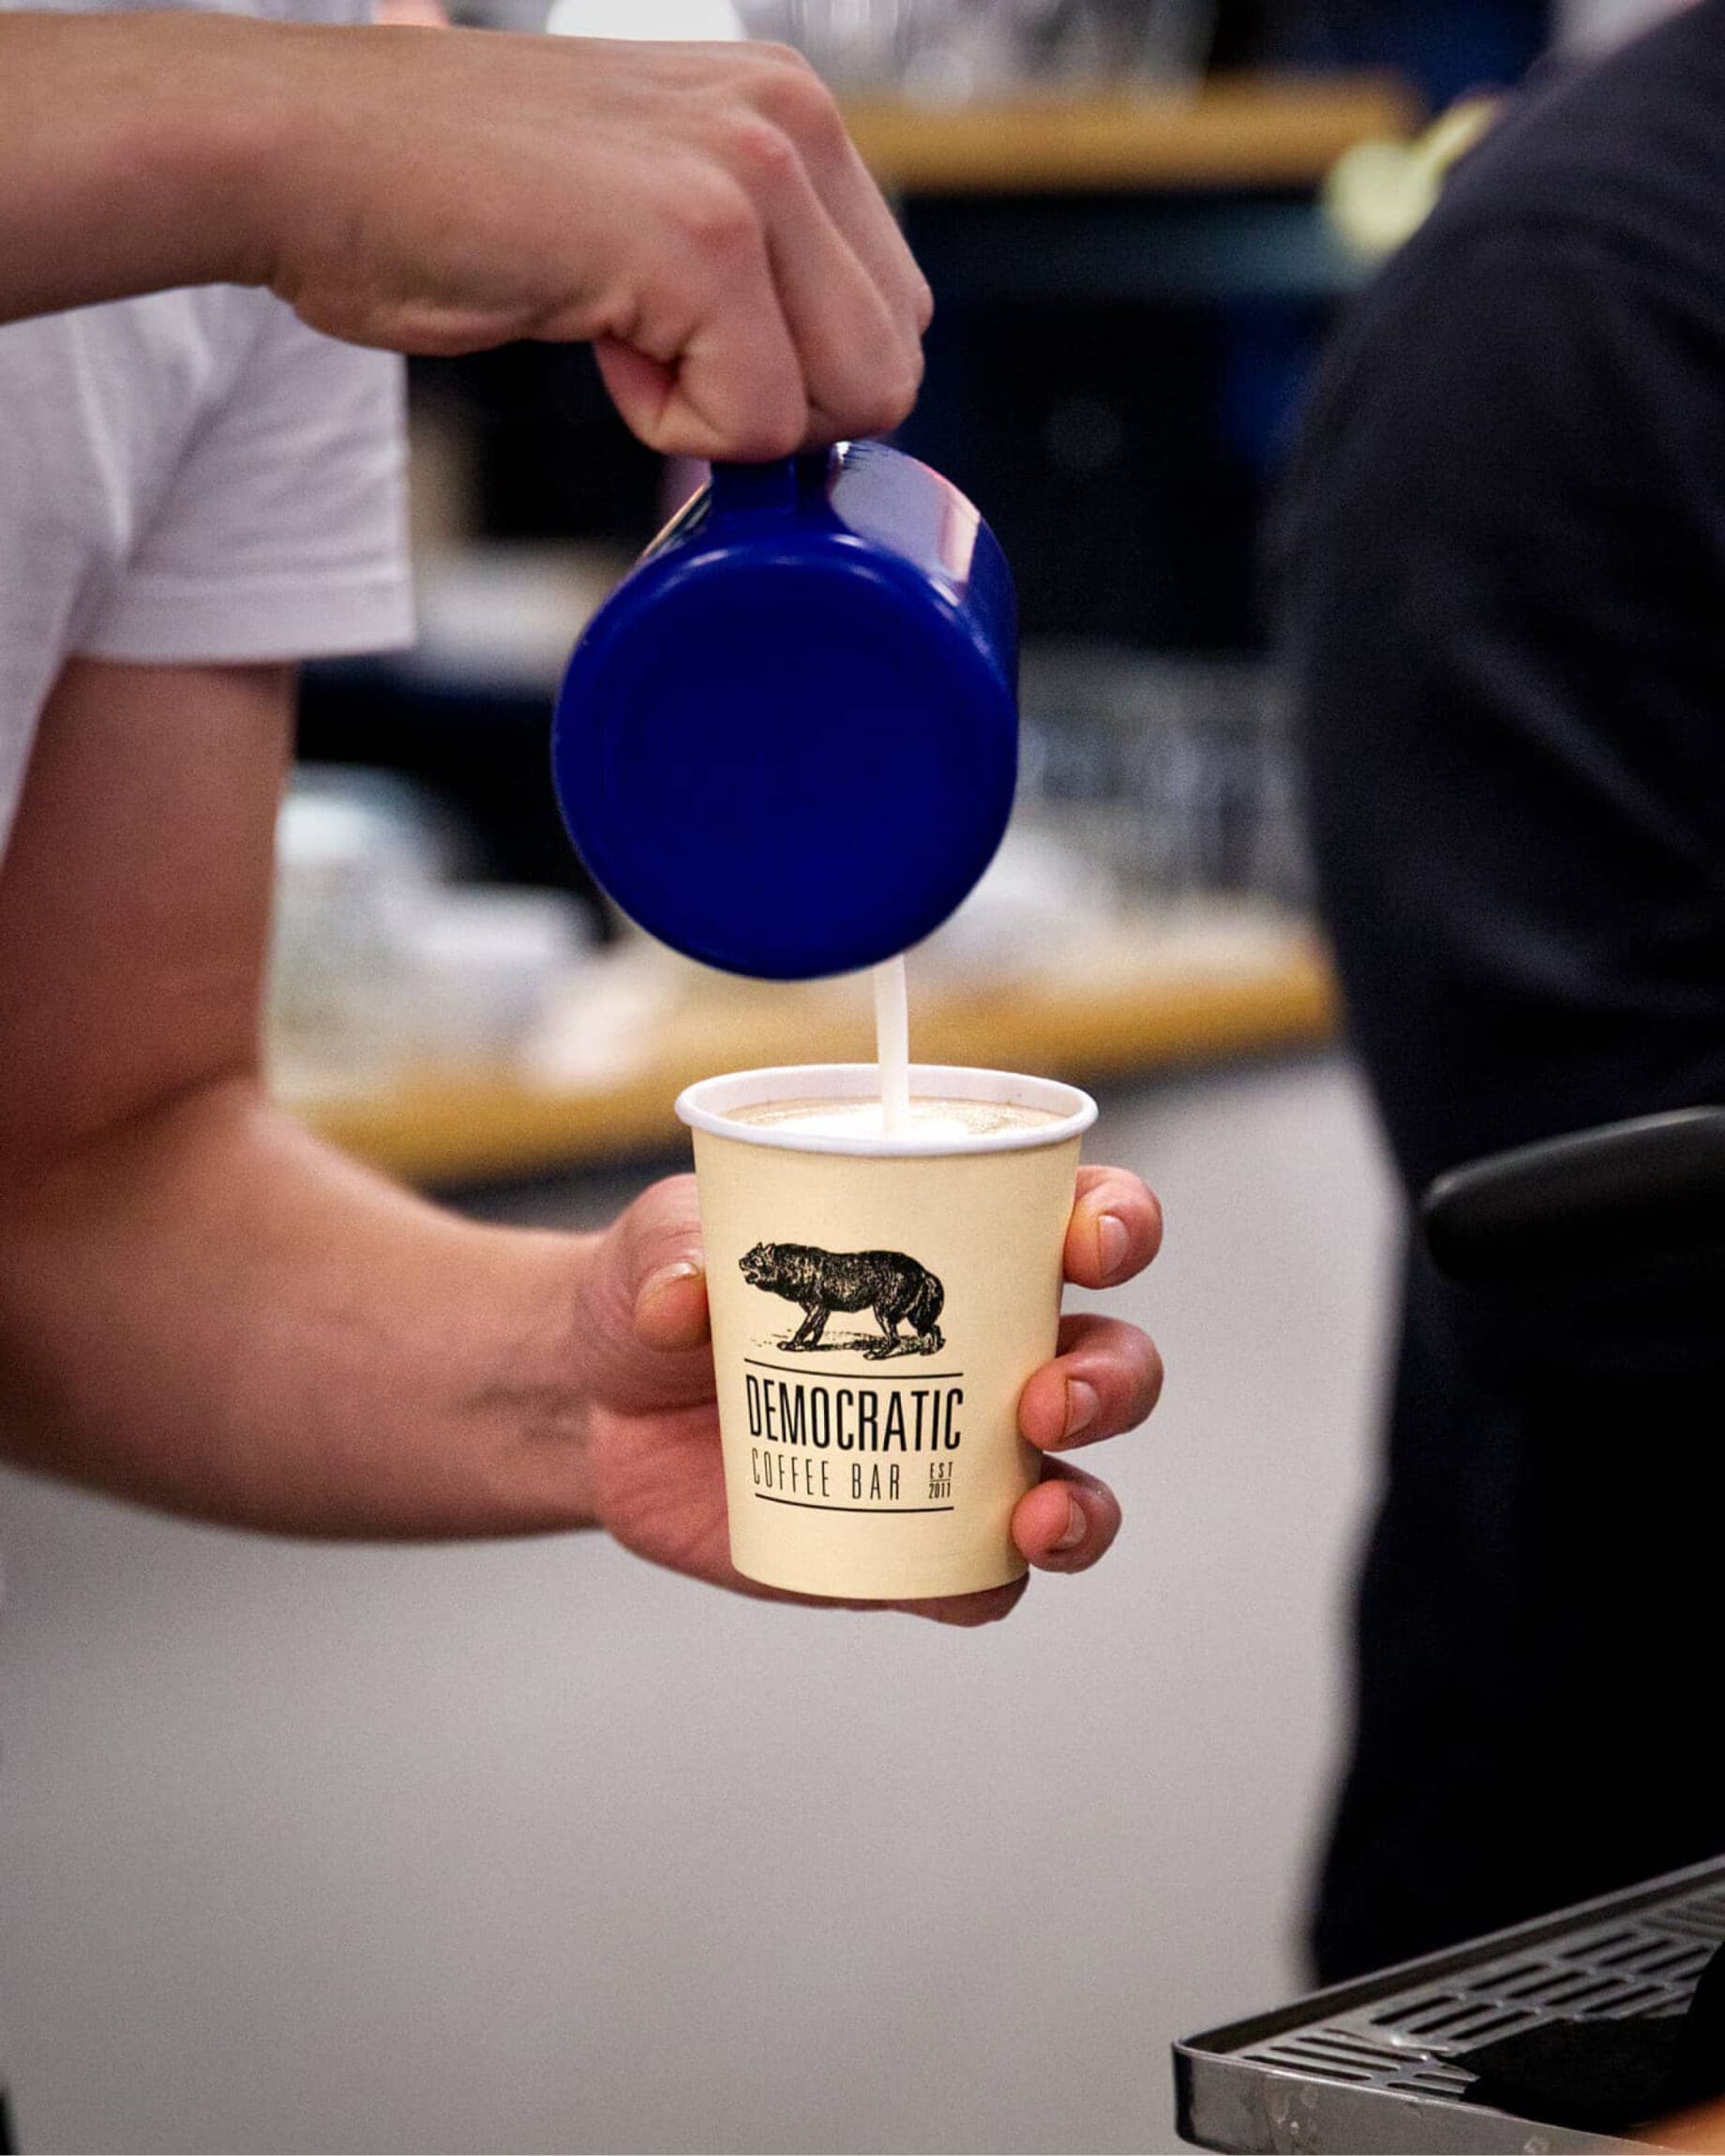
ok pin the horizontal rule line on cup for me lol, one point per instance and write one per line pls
(873, 1376)
(797, 1505)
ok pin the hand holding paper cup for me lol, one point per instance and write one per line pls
(877, 1305)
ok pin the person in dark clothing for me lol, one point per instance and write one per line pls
(1502, 564)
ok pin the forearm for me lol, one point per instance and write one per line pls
(210, 1313)
(129, 147)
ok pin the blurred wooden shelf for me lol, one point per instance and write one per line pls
(1122, 1015)
(1233, 132)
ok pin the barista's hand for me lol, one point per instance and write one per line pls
(654, 1468)
(698, 211)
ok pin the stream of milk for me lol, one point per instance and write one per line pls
(893, 1045)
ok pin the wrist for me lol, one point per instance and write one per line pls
(535, 1411)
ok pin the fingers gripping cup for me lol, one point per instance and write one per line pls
(877, 1305)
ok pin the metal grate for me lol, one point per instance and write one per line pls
(1408, 2042)
(1389, 2045)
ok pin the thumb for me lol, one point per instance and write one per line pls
(662, 1267)
(644, 1315)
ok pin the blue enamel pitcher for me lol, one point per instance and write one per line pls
(787, 744)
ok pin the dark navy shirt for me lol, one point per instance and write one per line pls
(1503, 562)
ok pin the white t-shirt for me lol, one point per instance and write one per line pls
(192, 476)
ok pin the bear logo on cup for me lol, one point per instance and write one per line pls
(894, 1287)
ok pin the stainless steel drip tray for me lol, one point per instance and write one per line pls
(1370, 2067)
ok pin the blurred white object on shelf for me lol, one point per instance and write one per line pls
(698, 22)
(352, 866)
(604, 1023)
(852, 42)
(1049, 911)
(484, 966)
(949, 50)
(381, 965)
(1040, 900)
(506, 617)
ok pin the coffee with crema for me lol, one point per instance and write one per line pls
(929, 1118)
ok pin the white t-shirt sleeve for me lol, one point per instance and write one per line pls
(282, 530)
(191, 477)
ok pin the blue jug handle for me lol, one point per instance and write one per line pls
(778, 488)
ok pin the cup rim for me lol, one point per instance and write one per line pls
(708, 1105)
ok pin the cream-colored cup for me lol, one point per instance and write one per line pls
(863, 1463)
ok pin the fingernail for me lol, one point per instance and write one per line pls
(1077, 1527)
(1113, 1241)
(667, 1275)
(1082, 1406)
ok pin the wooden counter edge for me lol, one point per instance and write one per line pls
(1234, 131)
(449, 1130)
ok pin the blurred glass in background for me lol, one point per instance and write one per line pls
(956, 49)
(1172, 772)
(943, 49)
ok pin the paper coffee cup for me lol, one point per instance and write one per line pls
(877, 1304)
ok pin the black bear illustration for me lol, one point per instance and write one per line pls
(894, 1287)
